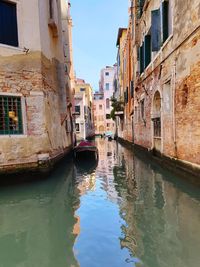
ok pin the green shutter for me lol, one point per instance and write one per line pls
(147, 44)
(142, 58)
(165, 20)
(155, 30)
(131, 89)
(141, 4)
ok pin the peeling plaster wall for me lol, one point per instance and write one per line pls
(28, 76)
(177, 63)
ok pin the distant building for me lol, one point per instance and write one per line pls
(84, 123)
(99, 113)
(102, 101)
(35, 93)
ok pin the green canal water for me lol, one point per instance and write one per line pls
(123, 212)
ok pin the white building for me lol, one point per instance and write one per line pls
(106, 85)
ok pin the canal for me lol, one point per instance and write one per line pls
(125, 211)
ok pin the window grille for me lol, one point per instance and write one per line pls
(10, 115)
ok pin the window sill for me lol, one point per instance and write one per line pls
(161, 49)
(156, 137)
(17, 48)
(13, 136)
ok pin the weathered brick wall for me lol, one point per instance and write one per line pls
(35, 79)
(175, 74)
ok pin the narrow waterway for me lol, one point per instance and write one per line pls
(122, 212)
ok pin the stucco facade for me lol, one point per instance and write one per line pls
(33, 73)
(84, 120)
(106, 86)
(99, 113)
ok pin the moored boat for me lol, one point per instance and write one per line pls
(86, 150)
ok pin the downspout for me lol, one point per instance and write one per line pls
(174, 109)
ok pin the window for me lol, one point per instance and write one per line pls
(107, 73)
(8, 24)
(155, 30)
(147, 50)
(131, 89)
(77, 126)
(78, 110)
(82, 89)
(161, 21)
(126, 96)
(107, 86)
(145, 53)
(140, 5)
(107, 103)
(100, 107)
(165, 20)
(51, 9)
(156, 127)
(107, 116)
(141, 55)
(108, 124)
(101, 118)
(10, 115)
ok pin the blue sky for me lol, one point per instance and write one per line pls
(95, 28)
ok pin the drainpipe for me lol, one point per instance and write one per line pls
(174, 108)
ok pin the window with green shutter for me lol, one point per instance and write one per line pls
(140, 4)
(165, 20)
(127, 94)
(141, 58)
(131, 89)
(147, 49)
(10, 115)
(155, 30)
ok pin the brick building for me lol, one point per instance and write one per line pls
(35, 93)
(166, 61)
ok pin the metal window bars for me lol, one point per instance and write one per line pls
(10, 115)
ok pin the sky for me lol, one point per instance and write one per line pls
(94, 35)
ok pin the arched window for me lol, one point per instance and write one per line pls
(107, 103)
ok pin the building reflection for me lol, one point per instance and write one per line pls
(36, 225)
(161, 217)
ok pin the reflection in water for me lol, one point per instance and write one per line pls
(123, 212)
(37, 220)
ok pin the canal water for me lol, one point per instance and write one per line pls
(125, 211)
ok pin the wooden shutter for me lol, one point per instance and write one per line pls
(132, 88)
(141, 4)
(142, 58)
(8, 24)
(155, 30)
(165, 20)
(147, 44)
